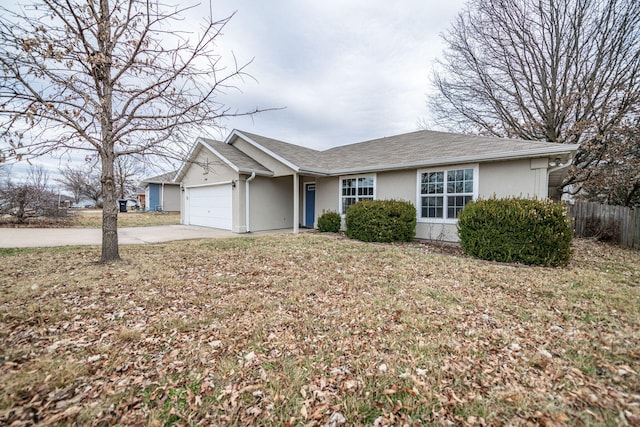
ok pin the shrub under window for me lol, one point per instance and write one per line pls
(329, 222)
(381, 221)
(526, 231)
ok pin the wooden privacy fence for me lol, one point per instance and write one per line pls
(617, 224)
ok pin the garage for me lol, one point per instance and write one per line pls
(210, 206)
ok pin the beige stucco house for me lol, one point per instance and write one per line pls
(253, 183)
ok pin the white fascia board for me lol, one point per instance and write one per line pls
(279, 158)
(257, 172)
(161, 182)
(316, 172)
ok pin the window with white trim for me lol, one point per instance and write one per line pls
(355, 189)
(443, 193)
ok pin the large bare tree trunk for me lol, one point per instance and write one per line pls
(110, 251)
(102, 76)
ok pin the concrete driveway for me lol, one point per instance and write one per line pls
(44, 237)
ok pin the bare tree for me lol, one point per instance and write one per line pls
(615, 180)
(565, 71)
(73, 180)
(112, 77)
(128, 171)
(31, 198)
(92, 188)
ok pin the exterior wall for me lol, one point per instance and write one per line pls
(170, 197)
(327, 195)
(218, 172)
(239, 201)
(398, 185)
(437, 231)
(520, 178)
(278, 168)
(402, 185)
(162, 197)
(271, 203)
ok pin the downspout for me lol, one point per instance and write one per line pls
(162, 198)
(558, 166)
(246, 201)
(296, 202)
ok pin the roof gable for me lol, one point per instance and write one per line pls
(234, 158)
(231, 156)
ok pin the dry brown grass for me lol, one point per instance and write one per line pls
(314, 329)
(93, 219)
(127, 219)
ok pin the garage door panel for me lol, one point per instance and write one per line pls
(211, 206)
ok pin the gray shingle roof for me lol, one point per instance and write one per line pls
(241, 162)
(305, 158)
(165, 178)
(415, 149)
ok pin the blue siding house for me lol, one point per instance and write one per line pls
(161, 193)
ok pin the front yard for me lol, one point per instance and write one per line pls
(317, 330)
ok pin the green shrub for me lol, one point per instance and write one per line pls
(381, 221)
(532, 232)
(329, 222)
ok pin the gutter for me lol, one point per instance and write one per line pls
(561, 165)
(246, 201)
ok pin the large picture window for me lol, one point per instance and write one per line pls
(353, 190)
(443, 193)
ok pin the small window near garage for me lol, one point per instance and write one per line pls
(443, 193)
(355, 189)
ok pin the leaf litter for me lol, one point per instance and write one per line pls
(317, 330)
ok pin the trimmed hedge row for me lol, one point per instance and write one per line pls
(532, 232)
(381, 221)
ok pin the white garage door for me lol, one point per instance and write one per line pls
(210, 206)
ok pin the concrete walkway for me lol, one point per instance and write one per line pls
(46, 237)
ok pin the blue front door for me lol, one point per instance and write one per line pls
(309, 204)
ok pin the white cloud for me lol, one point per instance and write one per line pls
(345, 72)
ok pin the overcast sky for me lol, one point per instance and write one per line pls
(343, 71)
(346, 71)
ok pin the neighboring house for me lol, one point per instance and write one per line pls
(253, 183)
(161, 193)
(140, 197)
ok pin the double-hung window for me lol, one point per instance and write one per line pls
(443, 193)
(355, 189)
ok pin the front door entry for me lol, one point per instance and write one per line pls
(309, 204)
